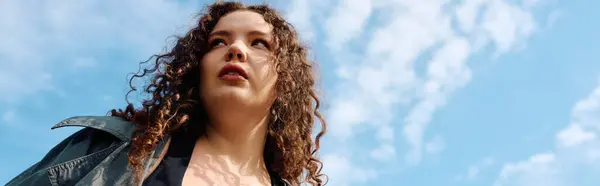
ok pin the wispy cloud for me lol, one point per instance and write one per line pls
(339, 167)
(43, 45)
(474, 171)
(393, 64)
(575, 158)
(300, 15)
(41, 39)
(376, 47)
(349, 16)
(435, 146)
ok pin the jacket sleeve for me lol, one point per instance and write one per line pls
(81, 143)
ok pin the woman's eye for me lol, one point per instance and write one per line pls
(260, 43)
(217, 43)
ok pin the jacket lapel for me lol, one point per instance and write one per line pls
(114, 169)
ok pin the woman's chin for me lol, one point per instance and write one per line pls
(232, 93)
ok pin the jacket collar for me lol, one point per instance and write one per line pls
(116, 126)
(123, 130)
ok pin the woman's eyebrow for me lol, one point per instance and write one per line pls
(227, 33)
(223, 33)
(259, 33)
(253, 33)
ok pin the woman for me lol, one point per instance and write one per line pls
(233, 103)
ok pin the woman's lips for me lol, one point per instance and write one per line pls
(232, 77)
(232, 72)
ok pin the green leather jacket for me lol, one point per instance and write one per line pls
(95, 155)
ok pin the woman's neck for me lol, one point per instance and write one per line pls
(239, 145)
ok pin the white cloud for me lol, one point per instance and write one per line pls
(349, 113)
(542, 159)
(447, 71)
(342, 172)
(385, 152)
(575, 159)
(506, 24)
(349, 16)
(435, 146)
(300, 16)
(476, 169)
(574, 135)
(586, 112)
(467, 13)
(41, 39)
(379, 77)
(540, 169)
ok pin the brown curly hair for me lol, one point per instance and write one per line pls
(174, 106)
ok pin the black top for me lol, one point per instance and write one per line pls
(171, 169)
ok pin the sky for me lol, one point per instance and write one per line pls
(429, 92)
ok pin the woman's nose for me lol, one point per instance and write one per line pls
(236, 53)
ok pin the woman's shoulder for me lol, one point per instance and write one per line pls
(80, 152)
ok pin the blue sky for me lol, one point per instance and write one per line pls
(435, 92)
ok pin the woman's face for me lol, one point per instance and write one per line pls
(237, 71)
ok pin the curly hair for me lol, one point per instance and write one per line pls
(175, 104)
